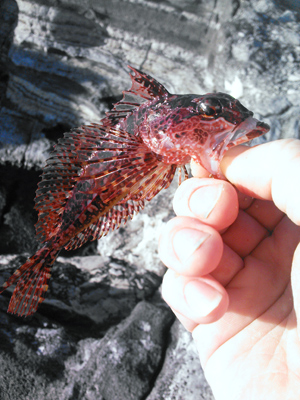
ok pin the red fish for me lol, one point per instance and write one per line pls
(99, 175)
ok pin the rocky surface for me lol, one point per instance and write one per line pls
(103, 332)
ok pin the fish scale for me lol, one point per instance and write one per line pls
(100, 175)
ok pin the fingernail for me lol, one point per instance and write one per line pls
(201, 297)
(187, 241)
(204, 199)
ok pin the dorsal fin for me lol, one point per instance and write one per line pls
(143, 88)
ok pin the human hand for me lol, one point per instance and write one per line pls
(234, 271)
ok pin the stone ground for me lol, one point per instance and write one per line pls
(103, 331)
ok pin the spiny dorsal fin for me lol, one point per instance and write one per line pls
(143, 88)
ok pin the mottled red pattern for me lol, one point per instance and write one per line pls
(100, 175)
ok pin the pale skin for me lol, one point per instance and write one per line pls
(233, 276)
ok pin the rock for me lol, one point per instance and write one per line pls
(31, 156)
(122, 364)
(128, 357)
(63, 64)
(3, 196)
(18, 216)
(32, 356)
(181, 371)
(93, 292)
(8, 22)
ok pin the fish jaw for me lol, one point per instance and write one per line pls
(247, 130)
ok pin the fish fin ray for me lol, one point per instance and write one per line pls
(84, 146)
(161, 179)
(110, 221)
(153, 183)
(31, 280)
(143, 88)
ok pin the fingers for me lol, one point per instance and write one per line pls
(265, 212)
(196, 300)
(269, 171)
(195, 296)
(198, 170)
(189, 247)
(244, 234)
(277, 250)
(212, 201)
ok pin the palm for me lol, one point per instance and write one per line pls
(259, 332)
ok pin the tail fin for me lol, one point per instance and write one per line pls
(32, 278)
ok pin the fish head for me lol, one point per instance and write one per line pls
(216, 122)
(224, 123)
(184, 127)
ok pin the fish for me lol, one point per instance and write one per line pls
(100, 175)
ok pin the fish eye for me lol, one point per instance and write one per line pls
(209, 107)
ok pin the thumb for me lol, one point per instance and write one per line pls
(269, 171)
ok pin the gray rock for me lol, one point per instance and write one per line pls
(181, 371)
(33, 155)
(123, 364)
(63, 64)
(3, 195)
(94, 292)
(18, 216)
(50, 362)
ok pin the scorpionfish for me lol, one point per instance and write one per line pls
(101, 174)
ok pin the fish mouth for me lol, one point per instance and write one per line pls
(247, 130)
